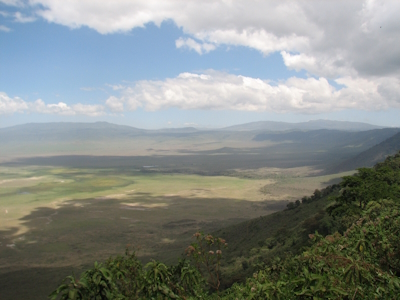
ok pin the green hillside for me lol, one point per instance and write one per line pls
(254, 243)
(371, 156)
(331, 138)
(353, 252)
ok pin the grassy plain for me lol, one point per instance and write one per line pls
(24, 189)
(64, 204)
(58, 220)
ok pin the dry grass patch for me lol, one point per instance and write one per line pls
(146, 205)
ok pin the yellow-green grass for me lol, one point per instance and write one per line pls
(61, 217)
(58, 217)
(24, 189)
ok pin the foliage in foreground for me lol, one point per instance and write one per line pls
(361, 263)
(124, 277)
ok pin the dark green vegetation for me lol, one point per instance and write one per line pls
(256, 242)
(371, 156)
(354, 255)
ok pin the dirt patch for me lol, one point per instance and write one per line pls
(20, 180)
(145, 205)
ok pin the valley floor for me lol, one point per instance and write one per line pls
(58, 218)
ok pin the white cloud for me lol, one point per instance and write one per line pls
(88, 110)
(389, 88)
(324, 65)
(215, 90)
(221, 91)
(11, 105)
(4, 28)
(116, 87)
(18, 17)
(17, 105)
(258, 39)
(193, 45)
(40, 107)
(352, 42)
(115, 104)
(326, 38)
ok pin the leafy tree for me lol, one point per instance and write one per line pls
(206, 253)
(291, 205)
(96, 283)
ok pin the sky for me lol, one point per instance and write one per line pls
(210, 63)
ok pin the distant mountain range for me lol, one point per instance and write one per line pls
(104, 129)
(80, 131)
(310, 125)
(334, 145)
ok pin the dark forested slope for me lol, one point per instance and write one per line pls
(371, 156)
(331, 138)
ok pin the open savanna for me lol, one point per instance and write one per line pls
(71, 197)
(57, 219)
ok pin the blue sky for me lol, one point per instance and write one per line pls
(153, 64)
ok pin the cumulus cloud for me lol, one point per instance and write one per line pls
(324, 65)
(116, 87)
(193, 45)
(354, 43)
(214, 90)
(222, 91)
(326, 38)
(88, 110)
(115, 104)
(10, 105)
(60, 108)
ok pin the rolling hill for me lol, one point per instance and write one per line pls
(371, 156)
(310, 125)
(103, 130)
(331, 138)
(66, 131)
